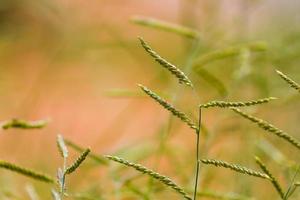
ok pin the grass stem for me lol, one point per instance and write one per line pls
(197, 154)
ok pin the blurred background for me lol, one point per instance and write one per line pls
(78, 63)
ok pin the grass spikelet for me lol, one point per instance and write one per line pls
(78, 162)
(269, 127)
(172, 68)
(22, 124)
(223, 104)
(290, 81)
(165, 180)
(62, 147)
(165, 26)
(234, 167)
(91, 155)
(26, 172)
(272, 178)
(169, 107)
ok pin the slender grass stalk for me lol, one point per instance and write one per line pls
(290, 188)
(26, 172)
(169, 107)
(165, 180)
(197, 153)
(76, 147)
(234, 167)
(223, 104)
(289, 81)
(164, 63)
(269, 127)
(22, 124)
(165, 26)
(62, 148)
(274, 181)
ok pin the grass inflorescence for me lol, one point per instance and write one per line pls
(169, 107)
(289, 81)
(272, 178)
(98, 158)
(22, 124)
(224, 104)
(26, 172)
(78, 161)
(163, 62)
(269, 127)
(234, 167)
(164, 179)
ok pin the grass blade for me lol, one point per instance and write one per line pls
(227, 53)
(212, 80)
(165, 26)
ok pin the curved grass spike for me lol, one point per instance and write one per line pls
(234, 167)
(26, 172)
(91, 155)
(22, 124)
(273, 179)
(165, 26)
(172, 68)
(169, 107)
(165, 180)
(290, 81)
(78, 162)
(223, 104)
(228, 52)
(269, 127)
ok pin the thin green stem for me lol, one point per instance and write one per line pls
(286, 196)
(62, 189)
(197, 154)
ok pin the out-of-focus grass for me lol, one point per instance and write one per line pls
(58, 59)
